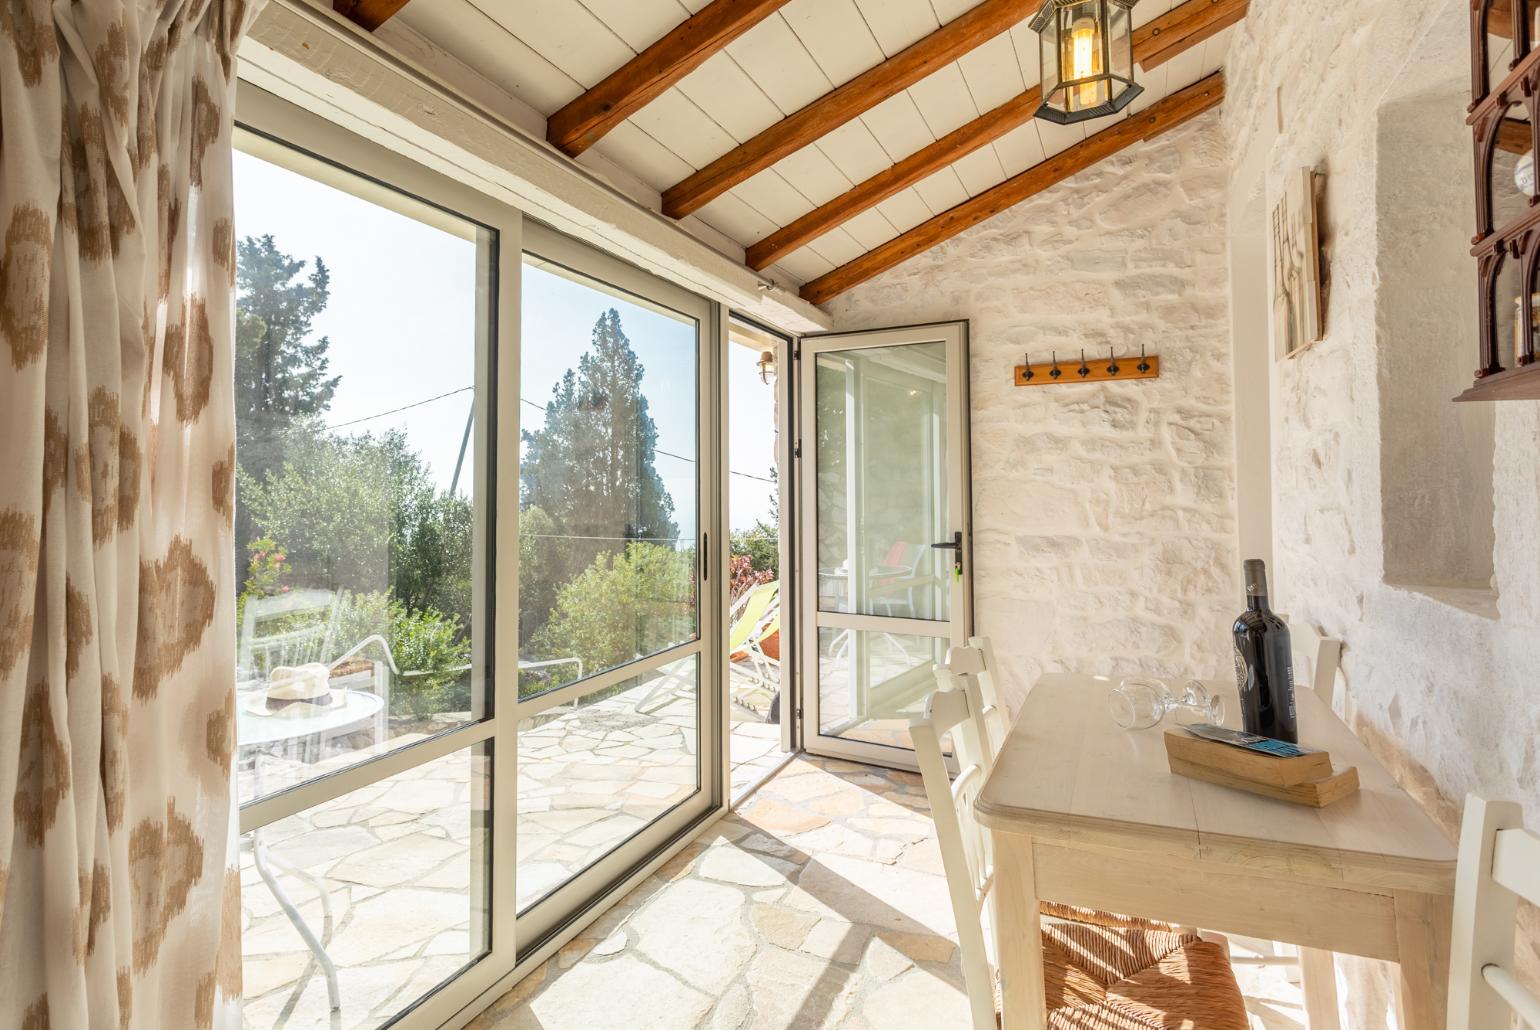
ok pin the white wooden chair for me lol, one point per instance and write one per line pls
(958, 710)
(1200, 980)
(1318, 667)
(1499, 864)
(977, 662)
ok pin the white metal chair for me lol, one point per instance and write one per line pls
(1499, 864)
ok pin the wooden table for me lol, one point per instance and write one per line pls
(1084, 813)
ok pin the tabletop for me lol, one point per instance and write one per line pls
(356, 707)
(1067, 773)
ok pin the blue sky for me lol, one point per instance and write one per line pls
(401, 319)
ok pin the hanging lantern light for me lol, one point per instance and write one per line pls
(1087, 58)
(766, 365)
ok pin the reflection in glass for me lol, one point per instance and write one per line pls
(596, 771)
(881, 481)
(607, 521)
(354, 476)
(870, 683)
(379, 895)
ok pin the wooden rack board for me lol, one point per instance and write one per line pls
(1306, 780)
(1097, 370)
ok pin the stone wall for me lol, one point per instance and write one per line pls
(1440, 681)
(1104, 515)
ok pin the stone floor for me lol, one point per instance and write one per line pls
(821, 903)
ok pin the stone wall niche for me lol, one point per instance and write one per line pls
(1436, 456)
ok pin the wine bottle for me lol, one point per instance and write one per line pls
(1264, 663)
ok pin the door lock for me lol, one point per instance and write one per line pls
(955, 546)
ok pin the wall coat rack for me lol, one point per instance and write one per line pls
(1084, 370)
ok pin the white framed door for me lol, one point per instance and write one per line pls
(885, 563)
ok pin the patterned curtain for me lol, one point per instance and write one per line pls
(118, 906)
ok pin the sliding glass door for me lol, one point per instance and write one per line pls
(480, 572)
(373, 757)
(885, 533)
(617, 691)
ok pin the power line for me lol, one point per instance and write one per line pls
(404, 407)
(540, 407)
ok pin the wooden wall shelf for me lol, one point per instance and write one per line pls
(1514, 384)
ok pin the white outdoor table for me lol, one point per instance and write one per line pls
(353, 709)
(1084, 813)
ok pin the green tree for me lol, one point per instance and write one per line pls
(622, 607)
(590, 467)
(344, 508)
(280, 372)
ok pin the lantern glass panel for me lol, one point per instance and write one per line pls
(1120, 41)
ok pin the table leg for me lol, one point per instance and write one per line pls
(1422, 940)
(1318, 978)
(1018, 934)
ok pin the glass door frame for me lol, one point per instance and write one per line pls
(567, 903)
(277, 129)
(955, 630)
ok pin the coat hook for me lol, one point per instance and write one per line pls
(1055, 373)
(1144, 365)
(1084, 369)
(1112, 362)
(1026, 361)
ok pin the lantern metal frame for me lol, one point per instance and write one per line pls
(1121, 89)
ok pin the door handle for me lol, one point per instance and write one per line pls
(955, 546)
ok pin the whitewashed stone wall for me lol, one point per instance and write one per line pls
(1104, 525)
(1442, 683)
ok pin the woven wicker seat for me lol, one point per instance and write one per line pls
(1102, 978)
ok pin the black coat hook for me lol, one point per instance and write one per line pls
(1112, 362)
(1144, 365)
(1084, 369)
(1026, 361)
(1055, 373)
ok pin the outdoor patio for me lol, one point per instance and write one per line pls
(589, 778)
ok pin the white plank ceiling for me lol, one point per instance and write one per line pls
(547, 52)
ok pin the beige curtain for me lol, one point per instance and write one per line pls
(117, 906)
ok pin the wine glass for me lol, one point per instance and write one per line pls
(1138, 704)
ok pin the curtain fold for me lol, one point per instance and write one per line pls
(119, 905)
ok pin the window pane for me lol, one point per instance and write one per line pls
(595, 772)
(607, 523)
(881, 481)
(391, 882)
(870, 684)
(356, 370)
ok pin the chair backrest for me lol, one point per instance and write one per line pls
(287, 629)
(750, 612)
(1499, 864)
(976, 662)
(965, 854)
(1317, 659)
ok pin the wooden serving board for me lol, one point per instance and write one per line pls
(1247, 765)
(1315, 794)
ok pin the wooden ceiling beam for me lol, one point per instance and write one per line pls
(645, 77)
(368, 14)
(843, 103)
(1182, 28)
(962, 141)
(1158, 118)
